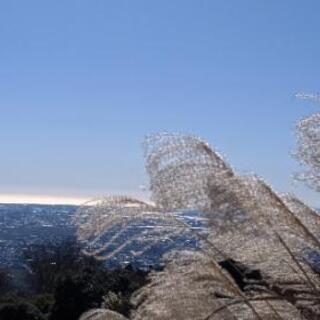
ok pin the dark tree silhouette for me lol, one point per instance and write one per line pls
(50, 261)
(5, 281)
(20, 311)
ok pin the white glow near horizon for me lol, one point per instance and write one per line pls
(42, 199)
(66, 198)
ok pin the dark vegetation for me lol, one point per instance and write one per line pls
(62, 283)
(4, 281)
(243, 276)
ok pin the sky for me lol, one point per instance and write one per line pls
(82, 83)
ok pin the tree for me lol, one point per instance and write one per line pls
(50, 261)
(308, 150)
(20, 311)
(75, 295)
(80, 292)
(5, 281)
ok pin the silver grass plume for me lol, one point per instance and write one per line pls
(186, 173)
(273, 239)
(308, 150)
(249, 222)
(109, 226)
(191, 288)
(179, 168)
(266, 232)
(102, 314)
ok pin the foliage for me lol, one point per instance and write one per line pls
(65, 283)
(117, 302)
(77, 294)
(43, 302)
(20, 311)
(5, 281)
(49, 261)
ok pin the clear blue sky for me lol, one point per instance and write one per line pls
(82, 82)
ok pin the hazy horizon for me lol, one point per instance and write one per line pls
(67, 198)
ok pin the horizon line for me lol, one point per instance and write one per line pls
(57, 199)
(16, 198)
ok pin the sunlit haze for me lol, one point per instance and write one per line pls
(41, 199)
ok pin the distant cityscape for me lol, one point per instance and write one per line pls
(24, 225)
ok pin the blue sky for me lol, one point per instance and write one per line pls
(82, 82)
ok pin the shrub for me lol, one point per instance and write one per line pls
(50, 261)
(5, 281)
(73, 296)
(20, 311)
